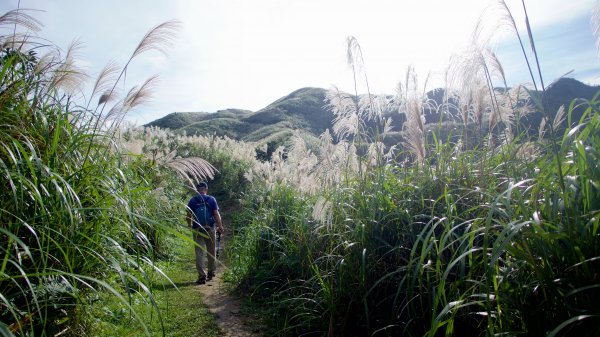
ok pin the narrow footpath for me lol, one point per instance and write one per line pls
(226, 307)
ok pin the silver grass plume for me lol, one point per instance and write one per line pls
(387, 127)
(510, 105)
(559, 118)
(18, 18)
(390, 155)
(322, 212)
(528, 151)
(346, 122)
(480, 102)
(471, 75)
(474, 63)
(155, 143)
(330, 160)
(372, 107)
(336, 161)
(108, 75)
(376, 154)
(68, 75)
(46, 62)
(355, 60)
(193, 169)
(142, 95)
(301, 165)
(542, 129)
(414, 127)
(135, 96)
(159, 38)
(414, 131)
(493, 21)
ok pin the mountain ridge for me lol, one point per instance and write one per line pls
(304, 112)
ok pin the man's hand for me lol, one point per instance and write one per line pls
(220, 229)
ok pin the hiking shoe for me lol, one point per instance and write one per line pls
(210, 275)
(201, 280)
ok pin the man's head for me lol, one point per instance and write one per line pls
(202, 187)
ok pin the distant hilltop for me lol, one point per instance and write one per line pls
(304, 112)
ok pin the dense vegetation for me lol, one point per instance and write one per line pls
(480, 229)
(84, 220)
(467, 224)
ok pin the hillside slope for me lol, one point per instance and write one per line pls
(304, 112)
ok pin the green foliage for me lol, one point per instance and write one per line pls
(78, 218)
(473, 243)
(181, 308)
(221, 127)
(177, 120)
(558, 247)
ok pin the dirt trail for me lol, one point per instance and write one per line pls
(226, 307)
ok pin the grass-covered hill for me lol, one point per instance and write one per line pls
(304, 111)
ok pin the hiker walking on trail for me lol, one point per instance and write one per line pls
(202, 214)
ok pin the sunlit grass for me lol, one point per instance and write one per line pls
(178, 299)
(80, 218)
(478, 230)
(482, 230)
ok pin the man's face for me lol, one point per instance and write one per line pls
(202, 189)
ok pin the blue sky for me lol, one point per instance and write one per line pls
(246, 54)
(563, 46)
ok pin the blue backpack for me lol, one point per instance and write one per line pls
(203, 214)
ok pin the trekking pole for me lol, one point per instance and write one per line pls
(218, 243)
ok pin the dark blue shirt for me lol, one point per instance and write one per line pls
(210, 201)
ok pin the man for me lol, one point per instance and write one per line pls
(204, 229)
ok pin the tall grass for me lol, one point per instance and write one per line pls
(460, 246)
(79, 216)
(479, 231)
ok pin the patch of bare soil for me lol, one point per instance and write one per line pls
(226, 307)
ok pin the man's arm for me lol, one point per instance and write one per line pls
(217, 217)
